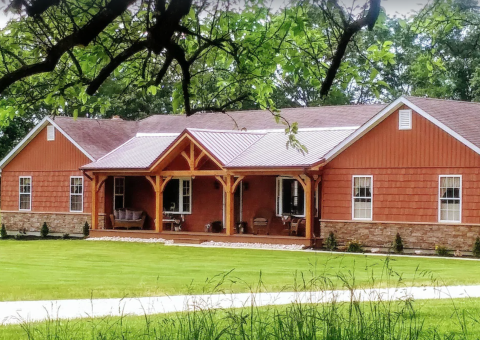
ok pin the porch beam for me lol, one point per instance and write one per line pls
(158, 203)
(101, 179)
(237, 182)
(152, 181)
(266, 172)
(165, 181)
(188, 159)
(94, 202)
(199, 158)
(229, 205)
(224, 184)
(301, 181)
(309, 205)
(187, 173)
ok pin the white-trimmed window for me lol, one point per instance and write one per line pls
(118, 193)
(290, 197)
(450, 199)
(50, 133)
(362, 197)
(25, 193)
(76, 194)
(177, 196)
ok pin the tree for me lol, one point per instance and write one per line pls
(203, 56)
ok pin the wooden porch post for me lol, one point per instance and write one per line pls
(309, 207)
(158, 204)
(229, 205)
(94, 202)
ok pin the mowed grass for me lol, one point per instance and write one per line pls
(65, 269)
(410, 320)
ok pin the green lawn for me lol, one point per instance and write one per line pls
(33, 270)
(430, 319)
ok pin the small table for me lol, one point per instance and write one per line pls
(170, 221)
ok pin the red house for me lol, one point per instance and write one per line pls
(369, 172)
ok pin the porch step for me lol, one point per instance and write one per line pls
(187, 240)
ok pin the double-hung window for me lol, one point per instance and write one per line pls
(177, 196)
(25, 193)
(450, 199)
(362, 197)
(118, 193)
(290, 197)
(76, 194)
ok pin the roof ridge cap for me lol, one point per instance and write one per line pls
(444, 100)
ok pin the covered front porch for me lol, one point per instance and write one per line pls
(264, 206)
(186, 190)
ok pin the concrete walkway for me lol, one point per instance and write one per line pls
(14, 312)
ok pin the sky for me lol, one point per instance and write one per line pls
(392, 7)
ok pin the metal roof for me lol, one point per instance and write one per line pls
(273, 149)
(225, 145)
(137, 153)
(232, 148)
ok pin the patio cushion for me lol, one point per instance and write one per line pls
(116, 213)
(129, 215)
(121, 214)
(136, 215)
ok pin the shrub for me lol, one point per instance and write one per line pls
(398, 244)
(19, 236)
(3, 232)
(354, 247)
(476, 248)
(441, 250)
(331, 242)
(66, 236)
(86, 229)
(44, 231)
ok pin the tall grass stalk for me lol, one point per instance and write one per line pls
(382, 319)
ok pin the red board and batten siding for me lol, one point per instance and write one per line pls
(50, 164)
(405, 165)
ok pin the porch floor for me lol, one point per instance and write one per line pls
(200, 237)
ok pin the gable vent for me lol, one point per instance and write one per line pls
(405, 119)
(50, 133)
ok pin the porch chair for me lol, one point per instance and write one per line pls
(261, 221)
(296, 225)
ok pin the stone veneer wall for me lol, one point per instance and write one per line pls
(414, 235)
(57, 222)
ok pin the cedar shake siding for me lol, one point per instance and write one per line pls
(50, 164)
(405, 165)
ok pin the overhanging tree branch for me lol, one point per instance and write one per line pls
(220, 108)
(349, 31)
(82, 37)
(114, 63)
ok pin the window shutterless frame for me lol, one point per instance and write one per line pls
(24, 183)
(185, 192)
(115, 194)
(440, 198)
(364, 197)
(76, 192)
(279, 196)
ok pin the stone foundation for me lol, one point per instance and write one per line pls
(414, 236)
(57, 222)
